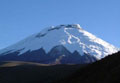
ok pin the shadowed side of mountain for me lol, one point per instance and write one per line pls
(106, 70)
(57, 55)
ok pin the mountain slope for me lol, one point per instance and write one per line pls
(57, 55)
(106, 70)
(71, 38)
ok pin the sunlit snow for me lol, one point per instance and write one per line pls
(73, 37)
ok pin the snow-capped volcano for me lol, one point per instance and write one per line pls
(72, 37)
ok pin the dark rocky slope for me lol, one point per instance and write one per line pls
(106, 70)
(57, 55)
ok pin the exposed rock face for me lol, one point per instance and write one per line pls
(57, 55)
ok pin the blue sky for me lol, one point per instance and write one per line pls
(21, 18)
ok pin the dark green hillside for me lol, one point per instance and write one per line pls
(106, 70)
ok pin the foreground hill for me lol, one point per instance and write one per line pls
(28, 72)
(106, 70)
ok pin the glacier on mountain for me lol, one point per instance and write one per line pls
(73, 37)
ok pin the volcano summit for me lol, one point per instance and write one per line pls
(61, 44)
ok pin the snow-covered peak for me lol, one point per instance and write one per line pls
(70, 26)
(73, 37)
